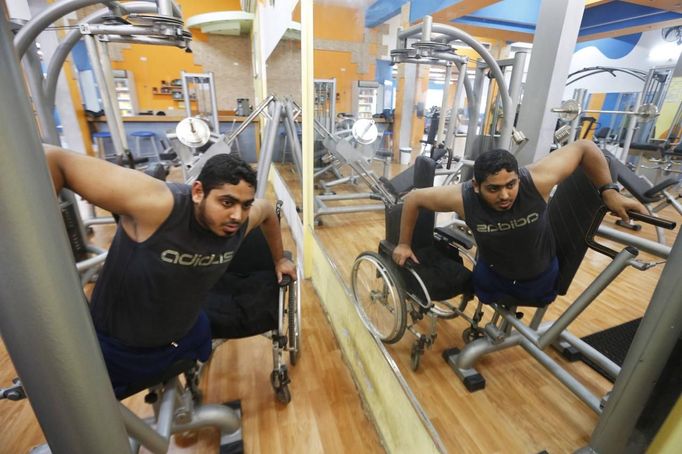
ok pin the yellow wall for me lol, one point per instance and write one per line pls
(192, 8)
(340, 24)
(337, 65)
(152, 64)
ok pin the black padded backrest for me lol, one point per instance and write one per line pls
(433, 129)
(635, 184)
(575, 212)
(602, 133)
(424, 172)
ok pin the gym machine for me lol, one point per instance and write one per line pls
(432, 43)
(60, 362)
(199, 89)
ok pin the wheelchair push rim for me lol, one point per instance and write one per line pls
(294, 320)
(378, 297)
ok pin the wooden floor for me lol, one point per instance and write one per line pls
(523, 409)
(325, 414)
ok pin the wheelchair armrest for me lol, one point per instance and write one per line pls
(660, 187)
(455, 235)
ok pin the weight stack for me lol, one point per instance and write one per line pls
(76, 240)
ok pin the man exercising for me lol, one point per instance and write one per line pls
(172, 244)
(506, 209)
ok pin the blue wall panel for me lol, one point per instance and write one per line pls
(613, 48)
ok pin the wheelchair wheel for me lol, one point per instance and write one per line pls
(378, 297)
(294, 323)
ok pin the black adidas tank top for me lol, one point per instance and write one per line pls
(517, 244)
(149, 294)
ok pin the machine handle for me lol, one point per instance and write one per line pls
(653, 220)
(286, 280)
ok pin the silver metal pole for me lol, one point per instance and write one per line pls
(292, 134)
(516, 80)
(265, 157)
(444, 106)
(474, 103)
(106, 100)
(632, 121)
(214, 103)
(110, 87)
(141, 431)
(658, 332)
(651, 247)
(454, 116)
(45, 115)
(60, 363)
(607, 276)
(579, 95)
(186, 94)
(426, 28)
(165, 7)
(234, 134)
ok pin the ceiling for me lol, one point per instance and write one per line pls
(514, 20)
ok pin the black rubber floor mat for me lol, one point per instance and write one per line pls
(613, 343)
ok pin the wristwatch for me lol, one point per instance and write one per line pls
(606, 187)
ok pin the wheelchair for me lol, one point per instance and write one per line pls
(391, 299)
(248, 301)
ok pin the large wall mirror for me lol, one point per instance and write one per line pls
(372, 119)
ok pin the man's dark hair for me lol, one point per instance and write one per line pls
(491, 162)
(225, 168)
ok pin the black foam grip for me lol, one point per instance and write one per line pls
(653, 220)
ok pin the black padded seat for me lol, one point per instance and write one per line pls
(648, 146)
(179, 367)
(602, 133)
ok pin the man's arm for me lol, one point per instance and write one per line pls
(559, 165)
(263, 214)
(142, 201)
(440, 198)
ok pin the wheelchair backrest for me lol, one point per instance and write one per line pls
(424, 172)
(253, 254)
(575, 212)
